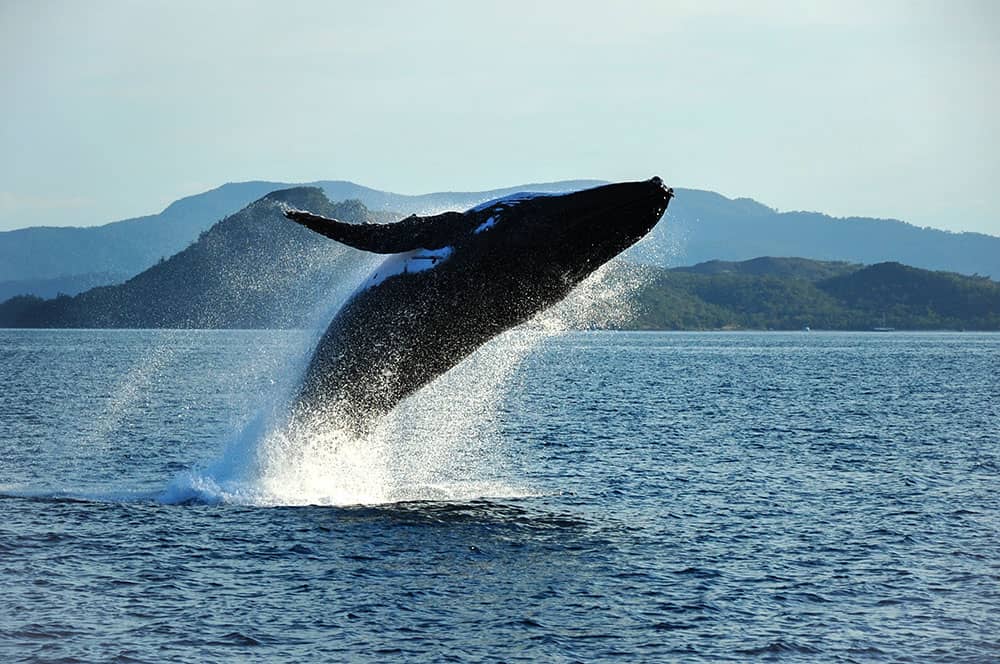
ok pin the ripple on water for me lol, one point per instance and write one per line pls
(633, 497)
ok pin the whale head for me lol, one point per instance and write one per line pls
(568, 236)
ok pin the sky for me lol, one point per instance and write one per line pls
(110, 110)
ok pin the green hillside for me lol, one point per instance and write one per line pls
(795, 293)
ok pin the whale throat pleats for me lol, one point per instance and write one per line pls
(405, 235)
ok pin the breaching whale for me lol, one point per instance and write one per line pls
(456, 280)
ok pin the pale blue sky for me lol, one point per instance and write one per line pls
(113, 109)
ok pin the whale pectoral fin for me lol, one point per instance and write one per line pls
(411, 233)
(349, 234)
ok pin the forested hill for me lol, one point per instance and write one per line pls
(794, 293)
(703, 226)
(256, 269)
(252, 269)
(124, 247)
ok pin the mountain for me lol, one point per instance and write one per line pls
(700, 226)
(703, 226)
(799, 268)
(792, 293)
(252, 269)
(36, 260)
(257, 269)
(122, 248)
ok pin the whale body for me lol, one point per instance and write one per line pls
(453, 281)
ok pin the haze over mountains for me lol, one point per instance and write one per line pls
(701, 226)
(257, 269)
(252, 269)
(45, 261)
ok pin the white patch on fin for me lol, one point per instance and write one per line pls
(417, 260)
(486, 225)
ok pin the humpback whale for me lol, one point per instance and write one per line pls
(453, 281)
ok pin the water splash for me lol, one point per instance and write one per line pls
(665, 244)
(442, 443)
(129, 396)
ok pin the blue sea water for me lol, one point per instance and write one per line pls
(560, 497)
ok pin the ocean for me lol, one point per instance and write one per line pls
(560, 496)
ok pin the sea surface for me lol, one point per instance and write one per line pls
(586, 496)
